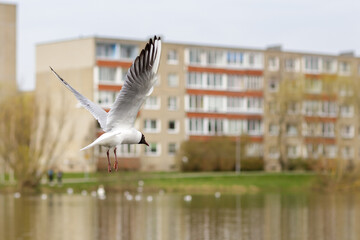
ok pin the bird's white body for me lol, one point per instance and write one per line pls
(113, 138)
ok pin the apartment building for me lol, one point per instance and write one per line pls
(204, 92)
(8, 45)
(319, 119)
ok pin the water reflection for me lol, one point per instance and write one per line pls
(168, 216)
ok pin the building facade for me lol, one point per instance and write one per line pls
(8, 44)
(208, 91)
(7, 63)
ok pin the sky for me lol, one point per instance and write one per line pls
(321, 26)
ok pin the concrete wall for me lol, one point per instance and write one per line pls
(8, 44)
(74, 62)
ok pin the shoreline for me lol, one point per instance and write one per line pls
(192, 182)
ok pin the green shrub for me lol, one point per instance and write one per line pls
(252, 164)
(304, 164)
(216, 154)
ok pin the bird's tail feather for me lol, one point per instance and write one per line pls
(88, 146)
(102, 139)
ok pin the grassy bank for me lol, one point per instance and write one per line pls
(207, 182)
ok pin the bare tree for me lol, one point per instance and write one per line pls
(286, 109)
(30, 134)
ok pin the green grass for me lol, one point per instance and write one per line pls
(199, 182)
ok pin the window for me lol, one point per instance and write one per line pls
(255, 104)
(347, 152)
(346, 111)
(329, 109)
(152, 102)
(194, 80)
(235, 58)
(274, 152)
(196, 103)
(289, 65)
(172, 103)
(273, 63)
(151, 125)
(311, 64)
(236, 82)
(273, 85)
(251, 59)
(292, 151)
(196, 125)
(106, 98)
(107, 74)
(344, 68)
(292, 107)
(172, 148)
(173, 80)
(235, 104)
(214, 81)
(311, 129)
(172, 57)
(128, 51)
(330, 151)
(254, 127)
(214, 57)
(328, 129)
(314, 150)
(272, 107)
(291, 129)
(215, 126)
(273, 129)
(312, 108)
(236, 126)
(194, 55)
(216, 103)
(153, 149)
(313, 85)
(106, 50)
(254, 83)
(329, 65)
(347, 131)
(173, 126)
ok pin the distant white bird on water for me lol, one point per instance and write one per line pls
(118, 123)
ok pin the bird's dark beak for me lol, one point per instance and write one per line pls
(143, 141)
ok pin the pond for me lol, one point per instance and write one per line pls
(176, 216)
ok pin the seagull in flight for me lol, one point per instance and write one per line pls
(118, 123)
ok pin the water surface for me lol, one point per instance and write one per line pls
(168, 216)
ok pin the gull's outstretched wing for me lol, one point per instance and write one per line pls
(139, 83)
(98, 112)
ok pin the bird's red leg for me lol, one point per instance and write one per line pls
(116, 161)
(109, 164)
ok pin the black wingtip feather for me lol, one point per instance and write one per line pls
(146, 57)
(147, 47)
(136, 64)
(142, 57)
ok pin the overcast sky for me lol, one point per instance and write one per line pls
(324, 26)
